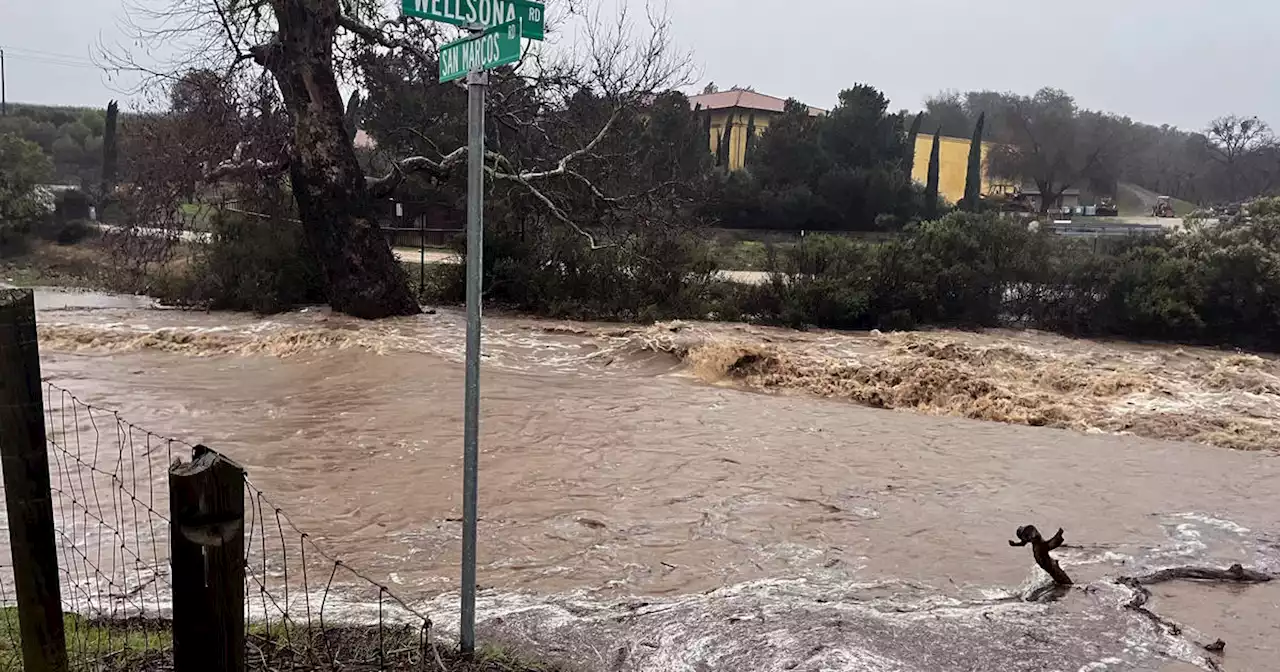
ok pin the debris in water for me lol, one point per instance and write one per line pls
(1028, 534)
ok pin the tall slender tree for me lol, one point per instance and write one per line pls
(910, 163)
(973, 180)
(931, 187)
(725, 151)
(705, 117)
(110, 151)
(751, 140)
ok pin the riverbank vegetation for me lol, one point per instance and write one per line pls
(1214, 283)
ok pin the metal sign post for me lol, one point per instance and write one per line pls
(477, 82)
(496, 27)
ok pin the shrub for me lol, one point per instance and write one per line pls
(956, 270)
(75, 231)
(1216, 284)
(823, 281)
(251, 263)
(654, 274)
(71, 205)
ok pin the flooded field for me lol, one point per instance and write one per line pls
(695, 496)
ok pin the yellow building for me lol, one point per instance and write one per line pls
(739, 110)
(953, 166)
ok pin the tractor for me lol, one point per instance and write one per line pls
(1163, 208)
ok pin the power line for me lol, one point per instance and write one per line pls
(44, 54)
(85, 65)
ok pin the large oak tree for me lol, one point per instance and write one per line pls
(307, 47)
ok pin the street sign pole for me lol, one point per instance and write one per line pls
(477, 82)
(496, 28)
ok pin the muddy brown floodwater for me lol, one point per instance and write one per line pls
(690, 497)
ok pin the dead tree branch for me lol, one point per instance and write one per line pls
(1233, 574)
(1138, 602)
(1028, 534)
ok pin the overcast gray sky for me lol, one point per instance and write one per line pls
(1180, 62)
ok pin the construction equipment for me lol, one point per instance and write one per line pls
(1163, 207)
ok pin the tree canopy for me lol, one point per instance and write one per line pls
(841, 170)
(72, 138)
(23, 166)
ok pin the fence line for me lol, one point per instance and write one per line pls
(305, 608)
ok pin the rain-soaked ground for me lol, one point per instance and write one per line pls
(722, 497)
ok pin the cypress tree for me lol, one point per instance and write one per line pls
(751, 139)
(973, 181)
(726, 143)
(706, 123)
(911, 143)
(931, 188)
(110, 150)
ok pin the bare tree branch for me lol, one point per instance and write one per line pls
(562, 166)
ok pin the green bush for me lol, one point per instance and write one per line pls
(647, 275)
(956, 270)
(71, 205)
(823, 281)
(75, 231)
(251, 263)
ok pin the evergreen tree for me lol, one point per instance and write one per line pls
(110, 149)
(914, 133)
(726, 143)
(931, 188)
(973, 181)
(705, 117)
(751, 140)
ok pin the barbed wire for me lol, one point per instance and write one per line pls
(304, 607)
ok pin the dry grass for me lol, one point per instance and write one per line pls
(146, 646)
(48, 264)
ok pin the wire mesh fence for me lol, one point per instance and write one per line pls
(304, 608)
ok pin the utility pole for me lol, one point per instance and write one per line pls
(4, 101)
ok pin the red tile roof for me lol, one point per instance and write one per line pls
(747, 100)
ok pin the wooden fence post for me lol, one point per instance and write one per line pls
(24, 457)
(206, 538)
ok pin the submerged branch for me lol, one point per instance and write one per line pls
(1028, 534)
(1138, 603)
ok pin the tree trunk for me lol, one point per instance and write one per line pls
(361, 273)
(1046, 196)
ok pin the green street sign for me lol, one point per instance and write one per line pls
(497, 46)
(533, 15)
